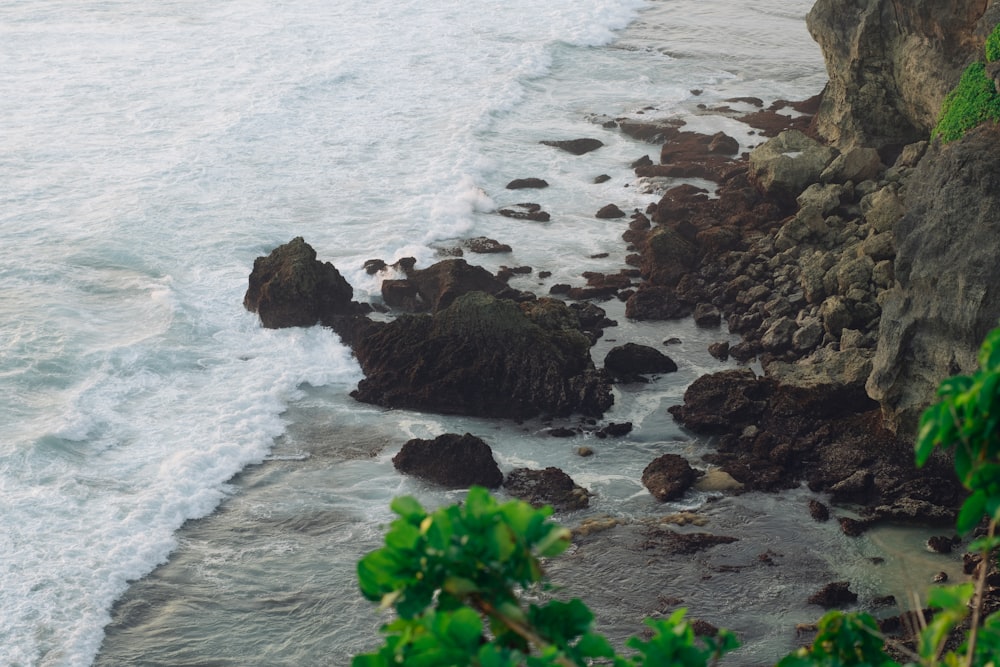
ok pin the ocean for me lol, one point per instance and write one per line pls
(180, 486)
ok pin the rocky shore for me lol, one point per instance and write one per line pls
(854, 257)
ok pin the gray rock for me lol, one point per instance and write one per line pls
(785, 165)
(947, 274)
(778, 337)
(835, 315)
(855, 164)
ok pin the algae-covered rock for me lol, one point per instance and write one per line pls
(484, 356)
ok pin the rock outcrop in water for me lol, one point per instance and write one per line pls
(484, 356)
(451, 460)
(291, 288)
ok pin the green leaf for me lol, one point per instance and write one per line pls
(971, 512)
(555, 542)
(408, 508)
(466, 628)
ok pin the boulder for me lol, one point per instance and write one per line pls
(630, 361)
(527, 183)
(451, 460)
(547, 487)
(441, 283)
(668, 477)
(946, 270)
(835, 594)
(783, 166)
(575, 146)
(291, 288)
(484, 356)
(609, 211)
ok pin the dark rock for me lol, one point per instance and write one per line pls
(627, 362)
(835, 594)
(940, 577)
(603, 178)
(561, 432)
(853, 527)
(484, 356)
(818, 511)
(373, 266)
(443, 282)
(483, 245)
(402, 294)
(527, 183)
(614, 430)
(527, 211)
(728, 400)
(547, 487)
(707, 315)
(704, 628)
(609, 211)
(651, 302)
(291, 288)
(576, 146)
(451, 460)
(668, 477)
(719, 350)
(940, 544)
(671, 542)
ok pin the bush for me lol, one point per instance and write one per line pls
(993, 45)
(972, 102)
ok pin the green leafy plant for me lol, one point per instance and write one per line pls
(993, 45)
(973, 102)
(454, 576)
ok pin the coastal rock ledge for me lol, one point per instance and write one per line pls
(476, 354)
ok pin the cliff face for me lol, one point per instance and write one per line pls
(890, 64)
(947, 292)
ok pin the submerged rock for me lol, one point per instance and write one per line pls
(629, 362)
(668, 477)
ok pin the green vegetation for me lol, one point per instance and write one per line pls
(974, 100)
(993, 45)
(454, 576)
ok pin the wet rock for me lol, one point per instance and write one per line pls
(668, 477)
(853, 527)
(628, 362)
(835, 594)
(451, 460)
(527, 211)
(373, 266)
(550, 486)
(722, 401)
(484, 356)
(940, 544)
(527, 183)
(707, 315)
(483, 245)
(673, 543)
(614, 430)
(651, 302)
(609, 211)
(441, 283)
(818, 511)
(719, 350)
(575, 146)
(291, 288)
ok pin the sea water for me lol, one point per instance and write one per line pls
(149, 152)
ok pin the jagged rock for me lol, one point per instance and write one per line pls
(946, 274)
(291, 288)
(835, 594)
(630, 361)
(483, 245)
(818, 511)
(666, 256)
(668, 477)
(451, 460)
(786, 164)
(441, 283)
(707, 315)
(576, 146)
(855, 165)
(484, 356)
(651, 302)
(547, 487)
(722, 401)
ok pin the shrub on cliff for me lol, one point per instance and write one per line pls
(974, 100)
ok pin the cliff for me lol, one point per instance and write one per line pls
(890, 64)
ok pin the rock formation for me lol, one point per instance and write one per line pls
(451, 460)
(484, 356)
(891, 64)
(947, 272)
